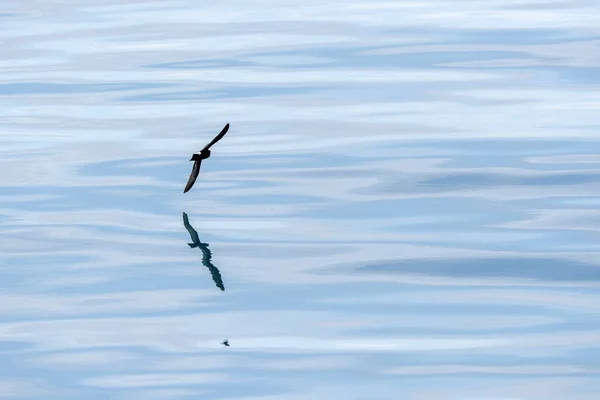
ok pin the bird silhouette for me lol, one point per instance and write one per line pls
(206, 253)
(202, 155)
(225, 342)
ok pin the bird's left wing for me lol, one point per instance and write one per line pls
(193, 176)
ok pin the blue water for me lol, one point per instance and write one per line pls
(405, 206)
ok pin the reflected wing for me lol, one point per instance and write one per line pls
(217, 138)
(193, 176)
(190, 229)
(214, 271)
(216, 276)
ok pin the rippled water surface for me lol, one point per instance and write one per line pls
(405, 206)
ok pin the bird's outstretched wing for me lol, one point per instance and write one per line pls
(217, 138)
(193, 176)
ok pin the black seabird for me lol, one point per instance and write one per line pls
(202, 155)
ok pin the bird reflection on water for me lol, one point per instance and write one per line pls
(206, 253)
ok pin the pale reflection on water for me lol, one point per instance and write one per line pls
(405, 205)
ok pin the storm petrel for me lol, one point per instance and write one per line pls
(202, 155)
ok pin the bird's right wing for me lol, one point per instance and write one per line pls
(193, 176)
(217, 138)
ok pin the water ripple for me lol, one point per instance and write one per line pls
(405, 206)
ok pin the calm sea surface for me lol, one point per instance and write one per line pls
(405, 206)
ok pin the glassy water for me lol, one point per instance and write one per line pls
(405, 206)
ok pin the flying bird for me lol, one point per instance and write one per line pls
(202, 155)
(225, 342)
(206, 253)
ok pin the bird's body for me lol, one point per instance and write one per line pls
(202, 155)
(225, 342)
